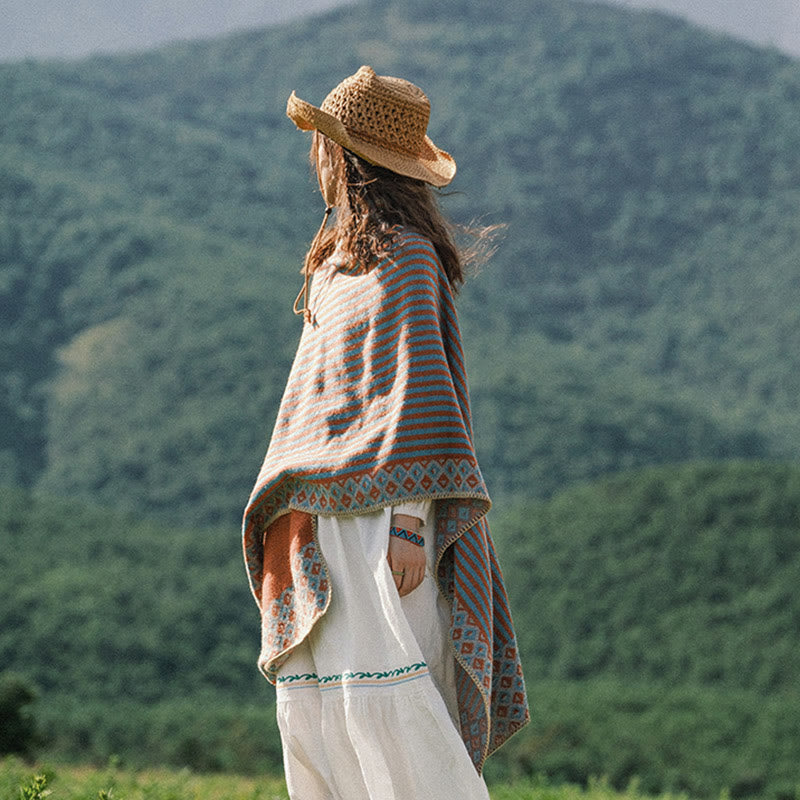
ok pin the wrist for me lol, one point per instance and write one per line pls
(407, 521)
(409, 536)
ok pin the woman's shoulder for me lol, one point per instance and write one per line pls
(409, 248)
(405, 238)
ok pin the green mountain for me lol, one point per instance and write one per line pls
(641, 308)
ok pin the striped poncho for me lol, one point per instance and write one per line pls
(376, 412)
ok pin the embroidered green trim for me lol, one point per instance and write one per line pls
(352, 676)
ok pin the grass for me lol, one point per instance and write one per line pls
(538, 789)
(19, 781)
(64, 782)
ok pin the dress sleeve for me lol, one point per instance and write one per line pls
(414, 508)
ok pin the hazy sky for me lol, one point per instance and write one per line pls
(772, 22)
(71, 28)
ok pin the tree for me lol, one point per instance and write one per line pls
(17, 725)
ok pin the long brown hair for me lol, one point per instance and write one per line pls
(371, 202)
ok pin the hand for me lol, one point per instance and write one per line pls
(408, 558)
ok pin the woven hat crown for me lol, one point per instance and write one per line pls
(382, 119)
(385, 111)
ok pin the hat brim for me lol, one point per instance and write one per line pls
(431, 165)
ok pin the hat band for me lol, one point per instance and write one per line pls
(379, 141)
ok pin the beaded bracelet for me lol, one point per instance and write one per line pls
(410, 536)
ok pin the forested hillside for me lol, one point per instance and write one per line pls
(657, 614)
(642, 306)
(676, 576)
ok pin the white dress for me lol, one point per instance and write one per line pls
(366, 703)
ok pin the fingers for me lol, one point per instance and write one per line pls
(406, 578)
(409, 581)
(399, 577)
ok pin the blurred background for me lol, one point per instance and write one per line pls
(633, 348)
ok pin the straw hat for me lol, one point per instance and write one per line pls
(384, 120)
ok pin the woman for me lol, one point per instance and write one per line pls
(385, 625)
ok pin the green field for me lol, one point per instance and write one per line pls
(82, 783)
(86, 783)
